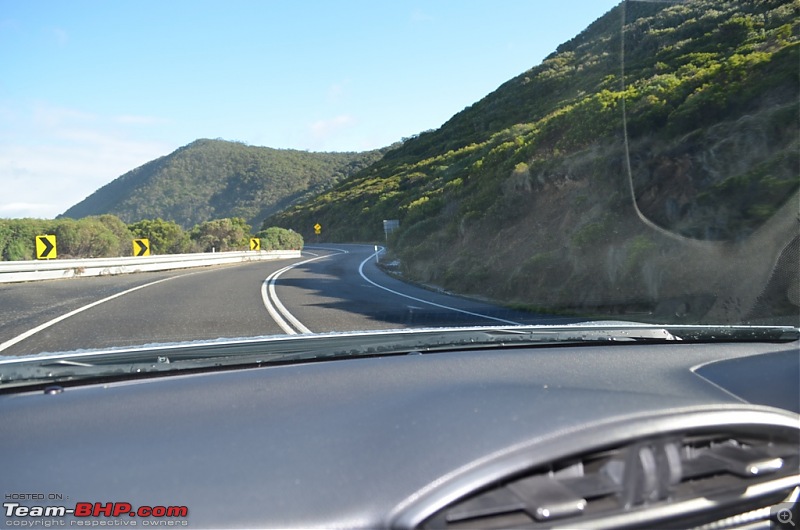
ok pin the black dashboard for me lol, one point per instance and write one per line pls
(594, 436)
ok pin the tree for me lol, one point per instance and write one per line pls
(118, 227)
(221, 234)
(17, 237)
(276, 238)
(166, 237)
(85, 238)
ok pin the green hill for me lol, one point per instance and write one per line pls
(596, 180)
(214, 179)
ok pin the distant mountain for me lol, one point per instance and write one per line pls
(663, 138)
(213, 179)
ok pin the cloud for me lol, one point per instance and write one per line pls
(323, 129)
(50, 117)
(45, 180)
(19, 210)
(53, 157)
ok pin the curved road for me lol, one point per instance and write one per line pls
(331, 288)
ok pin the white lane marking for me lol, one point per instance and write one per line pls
(19, 338)
(332, 249)
(275, 308)
(380, 249)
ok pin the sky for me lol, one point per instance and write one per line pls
(91, 89)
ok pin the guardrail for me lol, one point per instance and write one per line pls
(26, 271)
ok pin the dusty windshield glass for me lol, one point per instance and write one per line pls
(186, 172)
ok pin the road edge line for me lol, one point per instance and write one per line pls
(33, 331)
(380, 249)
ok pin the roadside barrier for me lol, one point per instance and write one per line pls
(26, 271)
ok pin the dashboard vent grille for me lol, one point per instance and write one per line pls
(682, 482)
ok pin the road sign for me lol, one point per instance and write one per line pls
(318, 229)
(46, 247)
(141, 247)
(255, 243)
(390, 225)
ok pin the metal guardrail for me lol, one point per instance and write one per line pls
(26, 271)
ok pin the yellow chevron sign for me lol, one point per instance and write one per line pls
(255, 243)
(141, 247)
(46, 247)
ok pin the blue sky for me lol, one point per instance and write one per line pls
(90, 89)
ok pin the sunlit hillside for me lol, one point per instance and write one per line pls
(662, 138)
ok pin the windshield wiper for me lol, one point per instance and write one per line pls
(152, 360)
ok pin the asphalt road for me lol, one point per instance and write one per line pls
(335, 288)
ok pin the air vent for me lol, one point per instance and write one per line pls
(680, 481)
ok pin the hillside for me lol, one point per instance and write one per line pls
(214, 179)
(595, 181)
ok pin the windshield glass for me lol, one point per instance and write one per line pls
(196, 171)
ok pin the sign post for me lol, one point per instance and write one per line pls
(389, 226)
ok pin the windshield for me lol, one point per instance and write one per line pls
(400, 264)
(179, 172)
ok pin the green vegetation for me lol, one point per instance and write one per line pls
(108, 236)
(96, 237)
(633, 165)
(702, 94)
(221, 235)
(213, 179)
(166, 237)
(274, 238)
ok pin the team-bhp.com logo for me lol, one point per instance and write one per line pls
(88, 510)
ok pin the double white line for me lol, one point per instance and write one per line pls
(287, 321)
(292, 326)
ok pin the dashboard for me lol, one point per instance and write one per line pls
(600, 436)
